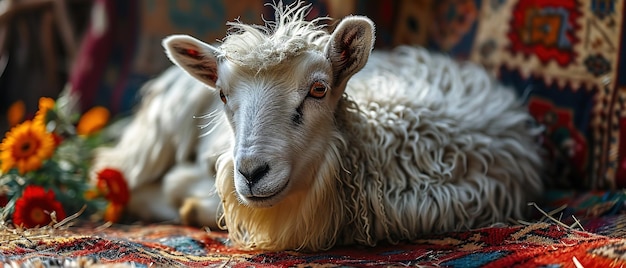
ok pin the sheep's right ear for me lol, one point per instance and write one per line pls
(194, 56)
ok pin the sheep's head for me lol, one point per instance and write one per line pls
(281, 113)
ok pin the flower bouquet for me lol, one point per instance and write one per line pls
(44, 168)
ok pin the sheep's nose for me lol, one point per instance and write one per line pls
(255, 173)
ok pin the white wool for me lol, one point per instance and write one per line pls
(160, 152)
(447, 151)
(422, 144)
(450, 151)
(261, 47)
(417, 144)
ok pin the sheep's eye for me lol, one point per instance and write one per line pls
(318, 90)
(222, 96)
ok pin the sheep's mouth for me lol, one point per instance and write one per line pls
(266, 201)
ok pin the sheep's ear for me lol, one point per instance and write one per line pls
(194, 56)
(349, 47)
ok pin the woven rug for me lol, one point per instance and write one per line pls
(535, 245)
(585, 229)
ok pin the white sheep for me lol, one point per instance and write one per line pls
(320, 143)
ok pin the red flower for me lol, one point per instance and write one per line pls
(34, 207)
(112, 185)
(57, 139)
(4, 200)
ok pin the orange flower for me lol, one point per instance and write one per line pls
(26, 146)
(16, 113)
(113, 212)
(92, 121)
(35, 206)
(45, 105)
(112, 185)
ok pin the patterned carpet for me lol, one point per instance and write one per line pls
(536, 245)
(543, 244)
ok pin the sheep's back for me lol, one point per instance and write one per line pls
(415, 78)
(434, 145)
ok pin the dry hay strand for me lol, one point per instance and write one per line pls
(29, 237)
(550, 216)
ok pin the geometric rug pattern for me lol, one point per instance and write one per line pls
(534, 245)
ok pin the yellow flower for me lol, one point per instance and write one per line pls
(45, 105)
(25, 147)
(92, 121)
(16, 113)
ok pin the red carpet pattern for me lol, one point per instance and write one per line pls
(542, 244)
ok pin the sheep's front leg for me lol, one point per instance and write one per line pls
(191, 189)
(200, 211)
